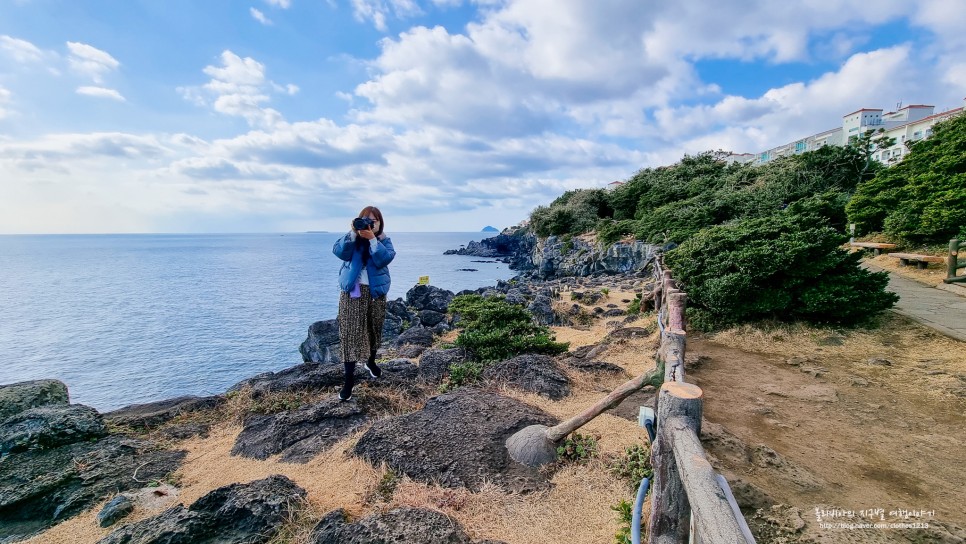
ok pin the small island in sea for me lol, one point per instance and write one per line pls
(488, 228)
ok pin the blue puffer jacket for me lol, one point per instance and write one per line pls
(377, 268)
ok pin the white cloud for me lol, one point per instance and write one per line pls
(239, 88)
(4, 99)
(20, 50)
(378, 10)
(259, 16)
(100, 92)
(284, 4)
(90, 61)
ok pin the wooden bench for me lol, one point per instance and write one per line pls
(876, 247)
(922, 261)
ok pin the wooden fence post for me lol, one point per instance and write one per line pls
(677, 302)
(670, 509)
(952, 262)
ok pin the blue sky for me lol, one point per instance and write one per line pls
(291, 115)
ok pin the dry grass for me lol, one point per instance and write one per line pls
(931, 276)
(917, 353)
(575, 509)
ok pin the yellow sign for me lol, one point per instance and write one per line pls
(423, 280)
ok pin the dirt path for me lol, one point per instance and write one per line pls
(870, 421)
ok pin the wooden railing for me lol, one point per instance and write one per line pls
(954, 263)
(689, 500)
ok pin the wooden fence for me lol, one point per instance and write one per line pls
(689, 500)
(954, 263)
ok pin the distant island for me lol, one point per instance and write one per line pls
(490, 229)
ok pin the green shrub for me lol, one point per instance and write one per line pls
(786, 267)
(625, 516)
(577, 448)
(634, 465)
(635, 306)
(494, 330)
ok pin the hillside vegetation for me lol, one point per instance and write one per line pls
(753, 242)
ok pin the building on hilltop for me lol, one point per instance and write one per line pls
(910, 123)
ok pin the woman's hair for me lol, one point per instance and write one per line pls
(378, 214)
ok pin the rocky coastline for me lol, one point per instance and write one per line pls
(59, 459)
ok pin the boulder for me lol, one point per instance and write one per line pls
(39, 488)
(530, 372)
(298, 435)
(434, 363)
(17, 397)
(417, 336)
(542, 310)
(410, 351)
(322, 344)
(250, 513)
(50, 426)
(457, 440)
(117, 508)
(429, 297)
(405, 525)
(429, 318)
(153, 414)
(300, 377)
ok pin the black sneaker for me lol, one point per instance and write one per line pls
(345, 394)
(373, 369)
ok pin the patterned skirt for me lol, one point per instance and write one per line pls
(360, 325)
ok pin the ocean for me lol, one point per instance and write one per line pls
(128, 319)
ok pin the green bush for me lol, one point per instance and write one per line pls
(625, 516)
(786, 266)
(634, 465)
(577, 448)
(494, 330)
(923, 198)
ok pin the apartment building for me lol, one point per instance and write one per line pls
(910, 123)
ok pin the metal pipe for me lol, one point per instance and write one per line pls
(638, 507)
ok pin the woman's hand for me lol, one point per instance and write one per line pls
(367, 234)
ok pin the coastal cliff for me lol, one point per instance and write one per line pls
(556, 256)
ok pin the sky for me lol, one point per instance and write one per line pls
(229, 116)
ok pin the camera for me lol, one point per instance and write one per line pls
(362, 223)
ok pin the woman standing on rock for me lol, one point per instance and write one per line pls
(364, 283)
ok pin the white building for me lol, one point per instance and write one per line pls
(910, 123)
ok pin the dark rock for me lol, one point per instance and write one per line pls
(529, 372)
(405, 525)
(582, 351)
(434, 363)
(586, 365)
(429, 318)
(876, 361)
(490, 293)
(17, 397)
(410, 351)
(441, 328)
(614, 312)
(417, 336)
(398, 318)
(39, 488)
(429, 297)
(50, 426)
(457, 440)
(322, 344)
(298, 435)
(300, 377)
(153, 414)
(515, 296)
(188, 430)
(116, 509)
(237, 513)
(832, 340)
(542, 310)
(629, 332)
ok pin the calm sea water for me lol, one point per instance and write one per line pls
(124, 319)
